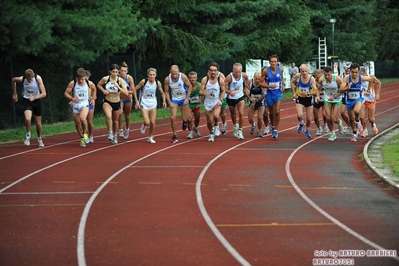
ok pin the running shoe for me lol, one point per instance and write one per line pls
(121, 133)
(365, 133)
(299, 129)
(91, 139)
(184, 126)
(143, 128)
(275, 134)
(126, 134)
(196, 131)
(211, 138)
(174, 139)
(252, 131)
(332, 136)
(27, 141)
(190, 135)
(115, 140)
(307, 134)
(82, 142)
(375, 129)
(345, 130)
(110, 135)
(40, 142)
(354, 138)
(340, 127)
(326, 129)
(239, 134)
(151, 140)
(319, 131)
(216, 131)
(224, 128)
(266, 131)
(359, 127)
(260, 135)
(86, 138)
(235, 129)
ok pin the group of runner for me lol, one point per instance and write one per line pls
(348, 96)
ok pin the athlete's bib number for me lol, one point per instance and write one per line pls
(194, 99)
(321, 97)
(149, 95)
(304, 90)
(179, 93)
(256, 96)
(211, 94)
(353, 95)
(82, 95)
(274, 83)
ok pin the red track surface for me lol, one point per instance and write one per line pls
(231, 202)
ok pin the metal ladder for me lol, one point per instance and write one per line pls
(322, 52)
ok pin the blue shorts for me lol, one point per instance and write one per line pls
(350, 104)
(91, 107)
(273, 96)
(178, 102)
(256, 104)
(126, 101)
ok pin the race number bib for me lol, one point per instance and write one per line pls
(179, 93)
(304, 90)
(82, 95)
(275, 83)
(256, 96)
(149, 95)
(194, 99)
(353, 95)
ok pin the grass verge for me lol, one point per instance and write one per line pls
(390, 153)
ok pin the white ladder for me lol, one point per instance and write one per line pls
(322, 52)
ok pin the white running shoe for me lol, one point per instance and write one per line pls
(121, 133)
(196, 131)
(319, 131)
(252, 131)
(143, 128)
(126, 134)
(332, 136)
(110, 135)
(224, 128)
(239, 134)
(151, 140)
(27, 141)
(216, 131)
(260, 135)
(115, 140)
(235, 130)
(91, 139)
(266, 131)
(326, 129)
(40, 142)
(190, 135)
(211, 138)
(345, 130)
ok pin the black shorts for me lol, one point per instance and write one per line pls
(256, 104)
(319, 104)
(35, 106)
(115, 106)
(305, 101)
(234, 102)
(344, 99)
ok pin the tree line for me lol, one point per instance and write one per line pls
(56, 37)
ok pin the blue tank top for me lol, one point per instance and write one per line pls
(355, 91)
(274, 79)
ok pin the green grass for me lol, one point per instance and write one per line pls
(18, 134)
(390, 153)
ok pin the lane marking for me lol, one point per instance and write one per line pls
(100, 182)
(275, 224)
(47, 193)
(333, 188)
(319, 209)
(41, 205)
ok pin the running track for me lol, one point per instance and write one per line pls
(231, 202)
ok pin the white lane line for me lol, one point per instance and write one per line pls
(83, 220)
(320, 210)
(205, 214)
(47, 193)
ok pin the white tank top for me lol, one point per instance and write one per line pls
(330, 89)
(148, 93)
(213, 92)
(81, 92)
(176, 88)
(237, 86)
(368, 94)
(30, 88)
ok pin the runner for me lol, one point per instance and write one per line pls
(302, 93)
(212, 88)
(194, 105)
(148, 102)
(255, 95)
(319, 105)
(33, 91)
(235, 83)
